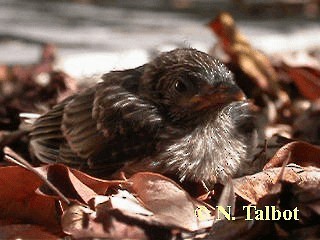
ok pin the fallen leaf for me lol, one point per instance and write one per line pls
(306, 193)
(81, 222)
(252, 188)
(252, 62)
(74, 184)
(25, 231)
(100, 186)
(170, 204)
(227, 198)
(301, 153)
(19, 201)
(307, 81)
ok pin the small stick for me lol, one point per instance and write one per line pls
(13, 157)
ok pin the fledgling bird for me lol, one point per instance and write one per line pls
(179, 114)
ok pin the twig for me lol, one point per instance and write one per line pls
(13, 157)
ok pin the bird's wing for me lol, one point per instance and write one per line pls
(67, 133)
(46, 136)
(110, 124)
(121, 114)
(102, 126)
(122, 102)
(79, 128)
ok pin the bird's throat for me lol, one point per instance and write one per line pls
(213, 150)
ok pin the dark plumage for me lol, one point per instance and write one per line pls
(181, 113)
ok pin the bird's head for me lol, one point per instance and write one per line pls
(186, 83)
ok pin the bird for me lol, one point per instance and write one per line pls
(180, 114)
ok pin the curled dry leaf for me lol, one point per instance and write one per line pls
(51, 178)
(159, 202)
(252, 62)
(245, 229)
(70, 186)
(307, 81)
(150, 201)
(253, 188)
(301, 153)
(170, 204)
(74, 184)
(100, 186)
(306, 193)
(304, 70)
(19, 201)
(241, 227)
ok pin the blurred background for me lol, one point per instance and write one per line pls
(96, 36)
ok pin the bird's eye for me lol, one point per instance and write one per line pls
(180, 86)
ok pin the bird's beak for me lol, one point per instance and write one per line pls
(217, 96)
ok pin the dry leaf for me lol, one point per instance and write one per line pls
(155, 201)
(227, 198)
(307, 81)
(81, 222)
(25, 231)
(306, 192)
(171, 205)
(253, 188)
(19, 201)
(251, 61)
(301, 153)
(74, 184)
